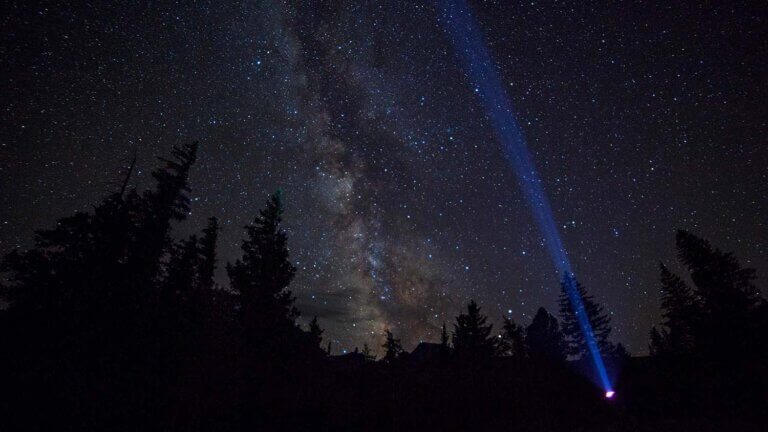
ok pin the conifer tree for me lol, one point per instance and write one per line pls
(725, 287)
(368, 355)
(208, 258)
(544, 338)
(512, 341)
(681, 311)
(89, 292)
(392, 348)
(721, 313)
(158, 208)
(315, 333)
(472, 340)
(261, 279)
(575, 342)
(444, 338)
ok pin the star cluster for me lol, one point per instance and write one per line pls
(400, 205)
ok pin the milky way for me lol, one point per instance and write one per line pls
(400, 204)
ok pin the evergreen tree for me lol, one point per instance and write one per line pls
(261, 278)
(208, 259)
(544, 338)
(315, 333)
(444, 337)
(722, 313)
(512, 341)
(575, 343)
(368, 355)
(392, 348)
(157, 209)
(182, 268)
(472, 340)
(724, 286)
(88, 293)
(619, 352)
(681, 311)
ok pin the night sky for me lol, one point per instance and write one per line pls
(400, 205)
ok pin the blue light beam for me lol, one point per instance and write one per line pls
(473, 54)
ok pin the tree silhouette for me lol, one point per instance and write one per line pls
(261, 278)
(575, 343)
(208, 260)
(368, 355)
(544, 338)
(444, 338)
(157, 209)
(512, 341)
(722, 313)
(681, 310)
(472, 340)
(90, 292)
(392, 348)
(315, 333)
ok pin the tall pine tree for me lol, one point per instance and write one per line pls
(261, 279)
(544, 338)
(723, 312)
(681, 310)
(512, 341)
(207, 250)
(392, 348)
(575, 342)
(472, 340)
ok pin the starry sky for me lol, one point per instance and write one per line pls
(641, 119)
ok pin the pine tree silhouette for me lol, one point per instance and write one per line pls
(544, 338)
(472, 340)
(207, 250)
(444, 338)
(575, 343)
(681, 310)
(315, 333)
(88, 294)
(512, 341)
(368, 355)
(157, 209)
(722, 313)
(392, 348)
(261, 278)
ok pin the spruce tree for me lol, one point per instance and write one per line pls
(444, 337)
(89, 293)
(158, 208)
(720, 314)
(207, 250)
(544, 338)
(512, 341)
(368, 355)
(472, 340)
(575, 342)
(315, 333)
(681, 310)
(392, 348)
(261, 279)
(725, 287)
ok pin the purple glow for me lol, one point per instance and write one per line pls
(609, 394)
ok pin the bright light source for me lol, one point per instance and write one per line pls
(609, 394)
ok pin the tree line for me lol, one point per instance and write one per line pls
(113, 324)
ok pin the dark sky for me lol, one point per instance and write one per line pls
(641, 119)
